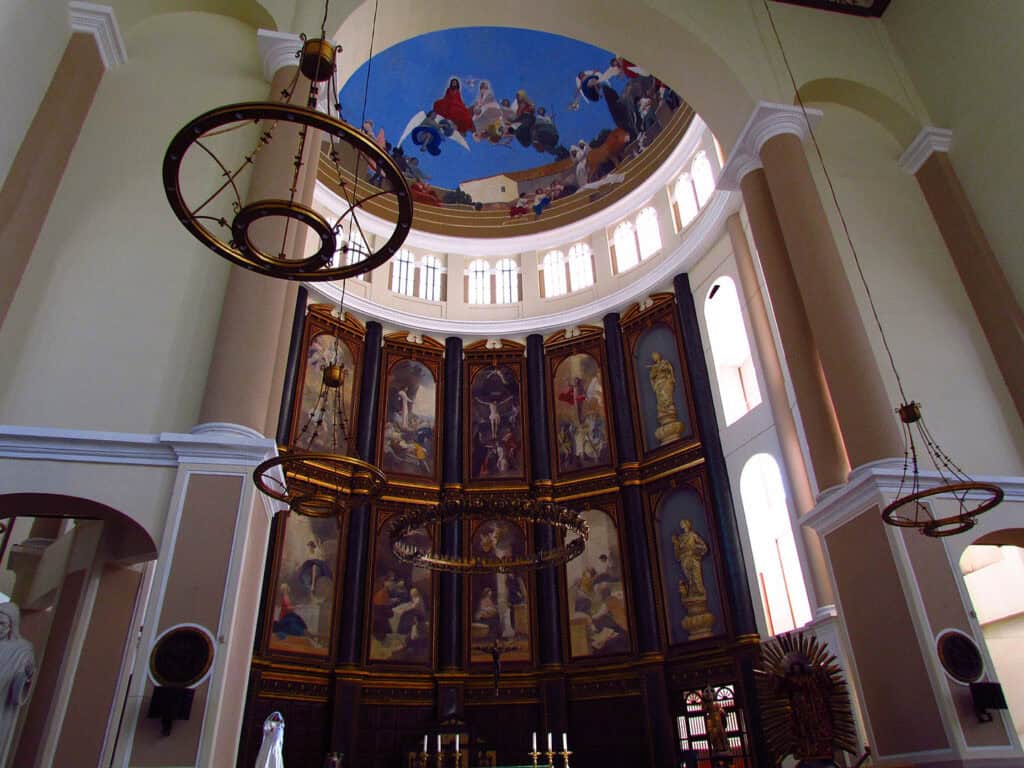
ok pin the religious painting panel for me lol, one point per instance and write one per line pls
(495, 449)
(327, 342)
(306, 586)
(689, 581)
(401, 603)
(661, 386)
(408, 437)
(595, 591)
(499, 603)
(580, 432)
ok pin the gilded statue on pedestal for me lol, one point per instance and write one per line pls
(690, 550)
(663, 382)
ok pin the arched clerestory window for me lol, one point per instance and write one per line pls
(730, 349)
(581, 267)
(479, 282)
(554, 274)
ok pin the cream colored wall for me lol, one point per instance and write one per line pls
(113, 325)
(967, 62)
(940, 351)
(33, 34)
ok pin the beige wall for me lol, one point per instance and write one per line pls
(968, 66)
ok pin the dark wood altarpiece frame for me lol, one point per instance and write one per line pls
(477, 358)
(634, 323)
(430, 352)
(557, 347)
(382, 514)
(697, 479)
(611, 504)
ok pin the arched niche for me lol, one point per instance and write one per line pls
(892, 116)
(251, 12)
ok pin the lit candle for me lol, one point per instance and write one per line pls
(549, 742)
(439, 743)
(565, 742)
(534, 741)
(457, 743)
(424, 743)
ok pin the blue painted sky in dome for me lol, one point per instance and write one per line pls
(411, 76)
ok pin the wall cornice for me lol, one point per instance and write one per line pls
(765, 122)
(100, 22)
(927, 142)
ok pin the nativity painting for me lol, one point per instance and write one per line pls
(598, 618)
(324, 351)
(479, 123)
(408, 436)
(401, 617)
(581, 420)
(499, 602)
(496, 424)
(303, 607)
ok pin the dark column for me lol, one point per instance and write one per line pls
(291, 372)
(350, 645)
(721, 495)
(550, 624)
(635, 524)
(450, 624)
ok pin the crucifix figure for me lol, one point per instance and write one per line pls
(496, 649)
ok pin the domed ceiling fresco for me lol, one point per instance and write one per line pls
(512, 130)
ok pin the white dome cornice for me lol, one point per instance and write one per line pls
(765, 122)
(100, 22)
(927, 142)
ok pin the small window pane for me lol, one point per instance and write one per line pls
(647, 232)
(508, 281)
(581, 267)
(479, 283)
(554, 274)
(626, 256)
(431, 287)
(403, 272)
(686, 200)
(703, 178)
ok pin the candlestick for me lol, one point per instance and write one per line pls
(565, 757)
(535, 754)
(551, 757)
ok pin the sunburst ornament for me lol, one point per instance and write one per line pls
(805, 704)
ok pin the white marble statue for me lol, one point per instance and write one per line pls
(17, 669)
(271, 754)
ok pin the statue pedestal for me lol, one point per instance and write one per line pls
(699, 621)
(668, 432)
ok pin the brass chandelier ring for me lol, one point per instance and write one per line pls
(238, 249)
(263, 209)
(320, 484)
(481, 508)
(951, 524)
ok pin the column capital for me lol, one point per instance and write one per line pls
(766, 121)
(277, 50)
(927, 142)
(100, 22)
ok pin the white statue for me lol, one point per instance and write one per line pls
(271, 754)
(17, 668)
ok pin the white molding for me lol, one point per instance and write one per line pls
(277, 50)
(100, 22)
(703, 233)
(541, 241)
(875, 483)
(927, 142)
(765, 122)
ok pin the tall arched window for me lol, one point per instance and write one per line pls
(430, 285)
(403, 272)
(554, 274)
(647, 233)
(508, 281)
(581, 267)
(780, 578)
(685, 199)
(624, 243)
(479, 283)
(737, 381)
(703, 178)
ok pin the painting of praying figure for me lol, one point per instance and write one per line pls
(660, 388)
(499, 602)
(598, 619)
(496, 424)
(581, 420)
(408, 436)
(303, 607)
(325, 350)
(401, 618)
